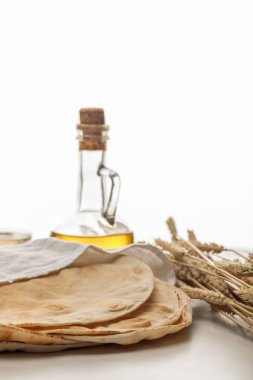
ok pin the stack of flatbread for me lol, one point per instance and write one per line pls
(99, 298)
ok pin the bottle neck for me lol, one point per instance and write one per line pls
(90, 192)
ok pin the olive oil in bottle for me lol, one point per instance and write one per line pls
(95, 221)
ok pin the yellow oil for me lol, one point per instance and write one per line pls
(108, 241)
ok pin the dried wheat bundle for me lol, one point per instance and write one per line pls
(227, 285)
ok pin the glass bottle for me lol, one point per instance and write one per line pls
(95, 221)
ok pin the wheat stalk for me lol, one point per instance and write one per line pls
(227, 285)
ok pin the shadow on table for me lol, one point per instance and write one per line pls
(203, 312)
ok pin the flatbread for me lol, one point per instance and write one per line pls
(164, 307)
(122, 339)
(40, 348)
(86, 295)
(143, 334)
(19, 334)
(16, 338)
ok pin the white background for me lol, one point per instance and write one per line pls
(176, 81)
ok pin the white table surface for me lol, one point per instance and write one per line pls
(210, 349)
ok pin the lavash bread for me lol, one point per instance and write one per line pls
(164, 307)
(40, 348)
(98, 299)
(19, 334)
(85, 295)
(167, 311)
(157, 329)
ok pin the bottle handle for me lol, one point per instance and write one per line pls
(110, 202)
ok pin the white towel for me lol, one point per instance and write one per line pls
(45, 256)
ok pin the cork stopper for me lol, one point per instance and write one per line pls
(92, 116)
(92, 129)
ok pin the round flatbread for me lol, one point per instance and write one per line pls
(163, 308)
(149, 333)
(149, 322)
(78, 296)
(19, 334)
(40, 348)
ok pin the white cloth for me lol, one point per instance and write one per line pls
(45, 256)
